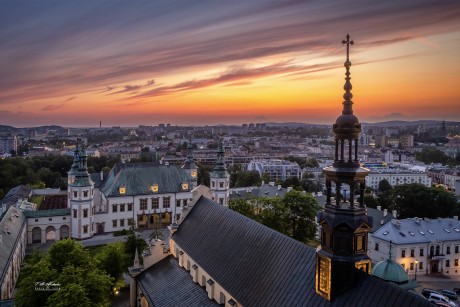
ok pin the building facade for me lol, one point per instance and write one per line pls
(397, 177)
(277, 169)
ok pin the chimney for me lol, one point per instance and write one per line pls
(382, 221)
(394, 213)
(102, 175)
(385, 212)
(379, 208)
(279, 187)
(455, 217)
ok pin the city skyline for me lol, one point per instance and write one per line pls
(75, 64)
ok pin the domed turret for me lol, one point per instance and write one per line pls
(389, 270)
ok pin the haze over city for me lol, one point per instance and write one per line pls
(75, 63)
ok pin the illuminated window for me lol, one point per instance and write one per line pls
(155, 203)
(122, 190)
(194, 174)
(323, 275)
(154, 188)
(185, 186)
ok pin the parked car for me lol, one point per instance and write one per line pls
(426, 292)
(449, 294)
(439, 298)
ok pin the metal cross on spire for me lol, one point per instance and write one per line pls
(348, 42)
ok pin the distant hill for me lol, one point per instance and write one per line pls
(395, 123)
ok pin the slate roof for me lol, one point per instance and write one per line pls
(377, 217)
(160, 284)
(11, 225)
(138, 178)
(264, 190)
(412, 231)
(261, 267)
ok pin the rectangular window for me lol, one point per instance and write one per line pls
(114, 223)
(122, 207)
(85, 229)
(221, 184)
(421, 252)
(177, 203)
(448, 250)
(75, 213)
(130, 222)
(447, 263)
(122, 223)
(411, 266)
(412, 253)
(167, 202)
(130, 207)
(456, 262)
(114, 208)
(456, 249)
(143, 204)
(403, 253)
(85, 212)
(75, 193)
(85, 193)
(420, 265)
(155, 203)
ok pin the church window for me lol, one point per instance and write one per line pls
(130, 207)
(75, 213)
(114, 208)
(143, 204)
(85, 212)
(167, 202)
(114, 223)
(122, 223)
(85, 229)
(85, 193)
(155, 203)
(122, 207)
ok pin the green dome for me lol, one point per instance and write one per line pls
(389, 270)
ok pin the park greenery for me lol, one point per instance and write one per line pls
(85, 277)
(293, 215)
(430, 155)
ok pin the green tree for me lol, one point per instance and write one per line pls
(384, 186)
(370, 201)
(244, 207)
(265, 177)
(133, 241)
(273, 213)
(70, 295)
(301, 214)
(113, 259)
(247, 179)
(430, 155)
(417, 200)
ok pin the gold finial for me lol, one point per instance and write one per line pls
(348, 42)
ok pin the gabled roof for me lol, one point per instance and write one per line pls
(417, 230)
(11, 225)
(167, 284)
(261, 267)
(138, 178)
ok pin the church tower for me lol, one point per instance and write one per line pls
(80, 197)
(344, 221)
(220, 180)
(190, 166)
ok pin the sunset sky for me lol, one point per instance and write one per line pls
(126, 63)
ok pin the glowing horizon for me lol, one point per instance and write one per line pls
(75, 64)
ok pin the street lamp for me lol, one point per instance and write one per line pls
(416, 262)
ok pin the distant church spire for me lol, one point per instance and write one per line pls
(220, 179)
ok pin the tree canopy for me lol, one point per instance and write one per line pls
(430, 155)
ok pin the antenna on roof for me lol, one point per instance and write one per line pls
(389, 252)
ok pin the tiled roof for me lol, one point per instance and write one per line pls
(138, 178)
(413, 231)
(261, 267)
(11, 226)
(167, 284)
(44, 213)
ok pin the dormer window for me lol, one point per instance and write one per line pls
(122, 190)
(185, 186)
(194, 174)
(154, 188)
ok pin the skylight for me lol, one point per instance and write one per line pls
(430, 231)
(446, 230)
(385, 233)
(421, 232)
(456, 229)
(402, 234)
(411, 233)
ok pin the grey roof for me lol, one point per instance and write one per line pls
(415, 230)
(11, 225)
(377, 217)
(18, 192)
(264, 190)
(261, 267)
(138, 178)
(160, 284)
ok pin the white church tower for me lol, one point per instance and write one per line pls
(80, 197)
(190, 166)
(220, 180)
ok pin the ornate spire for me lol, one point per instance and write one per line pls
(220, 163)
(347, 103)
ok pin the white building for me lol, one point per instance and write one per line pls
(396, 177)
(425, 245)
(8, 144)
(277, 169)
